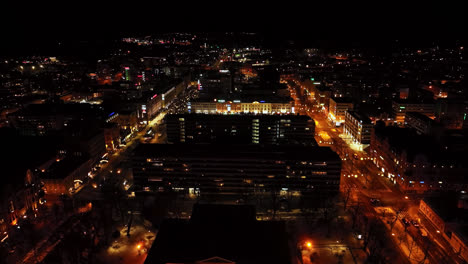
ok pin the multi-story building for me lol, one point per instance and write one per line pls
(236, 169)
(111, 136)
(21, 194)
(65, 175)
(452, 112)
(415, 163)
(243, 129)
(419, 122)
(216, 82)
(337, 109)
(358, 127)
(401, 107)
(448, 215)
(322, 96)
(271, 106)
(42, 119)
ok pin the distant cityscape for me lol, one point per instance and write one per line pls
(234, 147)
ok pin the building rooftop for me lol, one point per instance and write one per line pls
(240, 116)
(280, 152)
(61, 169)
(419, 116)
(360, 117)
(244, 98)
(342, 99)
(50, 109)
(229, 232)
(20, 153)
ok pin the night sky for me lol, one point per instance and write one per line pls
(39, 28)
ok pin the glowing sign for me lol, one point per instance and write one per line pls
(154, 96)
(111, 114)
(312, 79)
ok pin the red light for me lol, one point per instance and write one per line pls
(154, 96)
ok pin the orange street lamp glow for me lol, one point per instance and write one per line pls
(138, 246)
(309, 245)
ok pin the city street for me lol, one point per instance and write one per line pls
(363, 181)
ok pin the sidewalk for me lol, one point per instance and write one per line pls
(406, 243)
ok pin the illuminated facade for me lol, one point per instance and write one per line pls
(401, 107)
(416, 164)
(236, 106)
(358, 127)
(338, 108)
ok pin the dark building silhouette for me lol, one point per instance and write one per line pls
(236, 169)
(221, 234)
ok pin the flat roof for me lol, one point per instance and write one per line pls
(360, 116)
(244, 98)
(240, 116)
(420, 116)
(61, 169)
(252, 151)
(248, 241)
(342, 99)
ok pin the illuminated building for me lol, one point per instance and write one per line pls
(417, 163)
(65, 174)
(127, 73)
(337, 109)
(242, 128)
(358, 127)
(236, 169)
(401, 107)
(111, 136)
(237, 106)
(447, 214)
